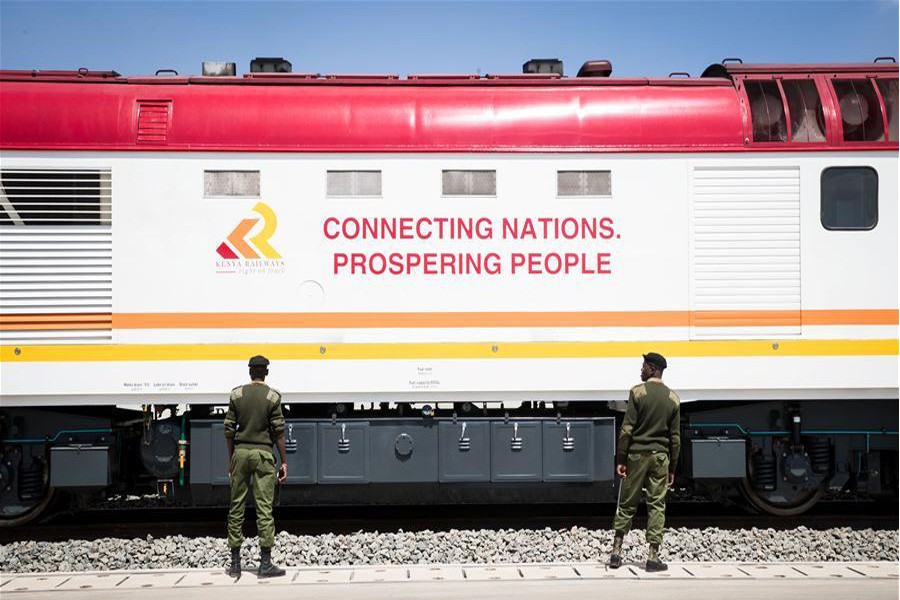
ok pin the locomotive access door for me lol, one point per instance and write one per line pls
(745, 252)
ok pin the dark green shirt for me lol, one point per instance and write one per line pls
(652, 422)
(254, 417)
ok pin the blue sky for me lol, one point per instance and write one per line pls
(640, 38)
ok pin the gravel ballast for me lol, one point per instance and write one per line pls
(577, 544)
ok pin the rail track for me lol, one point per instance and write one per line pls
(198, 522)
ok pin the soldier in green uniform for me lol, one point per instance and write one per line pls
(254, 422)
(649, 444)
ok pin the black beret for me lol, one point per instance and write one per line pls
(657, 360)
(259, 361)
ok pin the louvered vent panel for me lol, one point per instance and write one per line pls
(469, 183)
(353, 183)
(153, 121)
(745, 243)
(55, 257)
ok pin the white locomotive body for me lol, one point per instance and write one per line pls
(471, 243)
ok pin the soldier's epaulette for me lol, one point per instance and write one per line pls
(273, 396)
(674, 397)
(237, 392)
(639, 390)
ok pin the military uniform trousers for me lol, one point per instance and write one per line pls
(260, 465)
(650, 471)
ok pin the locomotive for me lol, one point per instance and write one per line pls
(454, 277)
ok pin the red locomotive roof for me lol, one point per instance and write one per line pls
(304, 112)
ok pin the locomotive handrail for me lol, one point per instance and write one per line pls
(172, 71)
(732, 59)
(885, 59)
(680, 74)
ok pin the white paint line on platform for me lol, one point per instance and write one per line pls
(436, 573)
(549, 572)
(36, 583)
(674, 572)
(99, 581)
(604, 572)
(324, 576)
(103, 581)
(140, 581)
(380, 574)
(705, 571)
(493, 573)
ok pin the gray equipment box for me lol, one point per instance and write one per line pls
(209, 458)
(568, 451)
(604, 449)
(300, 443)
(718, 459)
(79, 466)
(343, 452)
(465, 449)
(516, 451)
(403, 451)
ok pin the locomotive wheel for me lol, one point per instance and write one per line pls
(799, 503)
(15, 511)
(13, 516)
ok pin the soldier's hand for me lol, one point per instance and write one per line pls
(282, 473)
(622, 471)
(671, 479)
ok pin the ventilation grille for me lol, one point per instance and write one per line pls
(469, 183)
(353, 183)
(583, 183)
(231, 184)
(55, 266)
(153, 121)
(55, 197)
(745, 243)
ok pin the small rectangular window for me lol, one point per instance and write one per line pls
(888, 89)
(55, 197)
(849, 198)
(231, 184)
(348, 184)
(807, 118)
(469, 183)
(767, 111)
(583, 183)
(860, 110)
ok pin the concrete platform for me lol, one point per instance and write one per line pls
(467, 582)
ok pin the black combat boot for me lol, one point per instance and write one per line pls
(266, 568)
(653, 562)
(235, 569)
(615, 558)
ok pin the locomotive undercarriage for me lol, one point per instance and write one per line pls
(775, 457)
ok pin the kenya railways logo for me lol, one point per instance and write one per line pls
(247, 250)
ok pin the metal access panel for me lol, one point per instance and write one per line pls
(343, 453)
(209, 458)
(79, 466)
(568, 451)
(402, 451)
(300, 443)
(604, 449)
(516, 453)
(718, 459)
(465, 451)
